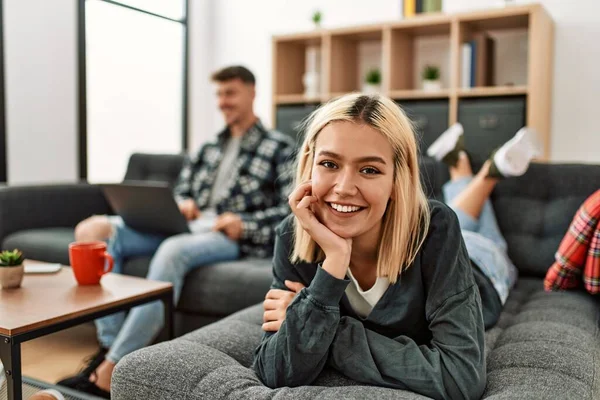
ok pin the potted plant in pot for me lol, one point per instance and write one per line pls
(11, 269)
(372, 82)
(316, 18)
(431, 78)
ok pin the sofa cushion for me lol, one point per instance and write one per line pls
(534, 211)
(45, 244)
(224, 288)
(219, 289)
(545, 345)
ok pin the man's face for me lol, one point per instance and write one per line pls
(235, 100)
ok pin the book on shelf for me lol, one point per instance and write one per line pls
(432, 6)
(419, 6)
(477, 61)
(410, 8)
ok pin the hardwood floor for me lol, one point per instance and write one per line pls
(53, 357)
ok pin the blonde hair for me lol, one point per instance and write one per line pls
(406, 219)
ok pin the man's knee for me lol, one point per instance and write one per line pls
(97, 227)
(170, 259)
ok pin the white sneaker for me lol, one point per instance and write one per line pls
(513, 158)
(446, 142)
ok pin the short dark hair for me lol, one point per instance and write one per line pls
(234, 72)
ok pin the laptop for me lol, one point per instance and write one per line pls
(146, 207)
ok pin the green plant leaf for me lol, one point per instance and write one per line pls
(431, 72)
(373, 77)
(11, 258)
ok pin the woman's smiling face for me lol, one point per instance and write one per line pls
(352, 178)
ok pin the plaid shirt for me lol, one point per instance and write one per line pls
(257, 190)
(579, 251)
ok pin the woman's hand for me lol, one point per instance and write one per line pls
(337, 249)
(276, 303)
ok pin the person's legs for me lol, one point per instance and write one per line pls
(175, 257)
(468, 196)
(123, 242)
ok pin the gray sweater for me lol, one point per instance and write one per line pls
(425, 334)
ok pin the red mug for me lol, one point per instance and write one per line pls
(88, 261)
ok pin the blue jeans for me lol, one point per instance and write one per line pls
(484, 240)
(174, 258)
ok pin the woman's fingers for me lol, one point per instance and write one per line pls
(276, 294)
(294, 286)
(272, 326)
(306, 202)
(299, 192)
(270, 304)
(271, 315)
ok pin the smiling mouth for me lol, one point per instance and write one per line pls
(349, 210)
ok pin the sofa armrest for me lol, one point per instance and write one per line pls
(182, 369)
(44, 206)
(214, 363)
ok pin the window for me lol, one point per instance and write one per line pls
(136, 75)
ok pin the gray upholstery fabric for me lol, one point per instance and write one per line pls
(47, 244)
(224, 288)
(48, 206)
(545, 346)
(219, 289)
(534, 210)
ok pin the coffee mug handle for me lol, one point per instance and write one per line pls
(111, 263)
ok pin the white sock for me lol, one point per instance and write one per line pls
(446, 142)
(513, 158)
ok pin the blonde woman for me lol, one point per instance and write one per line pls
(370, 278)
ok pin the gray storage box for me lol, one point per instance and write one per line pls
(430, 118)
(489, 123)
(289, 119)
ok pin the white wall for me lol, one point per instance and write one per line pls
(242, 33)
(40, 39)
(201, 99)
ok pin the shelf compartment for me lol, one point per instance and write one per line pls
(412, 47)
(291, 62)
(353, 53)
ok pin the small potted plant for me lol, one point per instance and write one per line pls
(431, 79)
(372, 82)
(11, 269)
(316, 18)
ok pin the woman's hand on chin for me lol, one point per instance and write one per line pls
(337, 249)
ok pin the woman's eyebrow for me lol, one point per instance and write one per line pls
(331, 154)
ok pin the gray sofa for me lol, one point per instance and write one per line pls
(40, 220)
(545, 345)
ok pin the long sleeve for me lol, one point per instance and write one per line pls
(296, 354)
(259, 227)
(183, 186)
(452, 365)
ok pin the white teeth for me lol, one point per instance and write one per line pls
(345, 209)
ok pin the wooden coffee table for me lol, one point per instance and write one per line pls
(47, 303)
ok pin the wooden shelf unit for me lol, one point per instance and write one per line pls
(340, 60)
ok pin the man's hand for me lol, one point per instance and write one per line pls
(189, 209)
(276, 303)
(230, 224)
